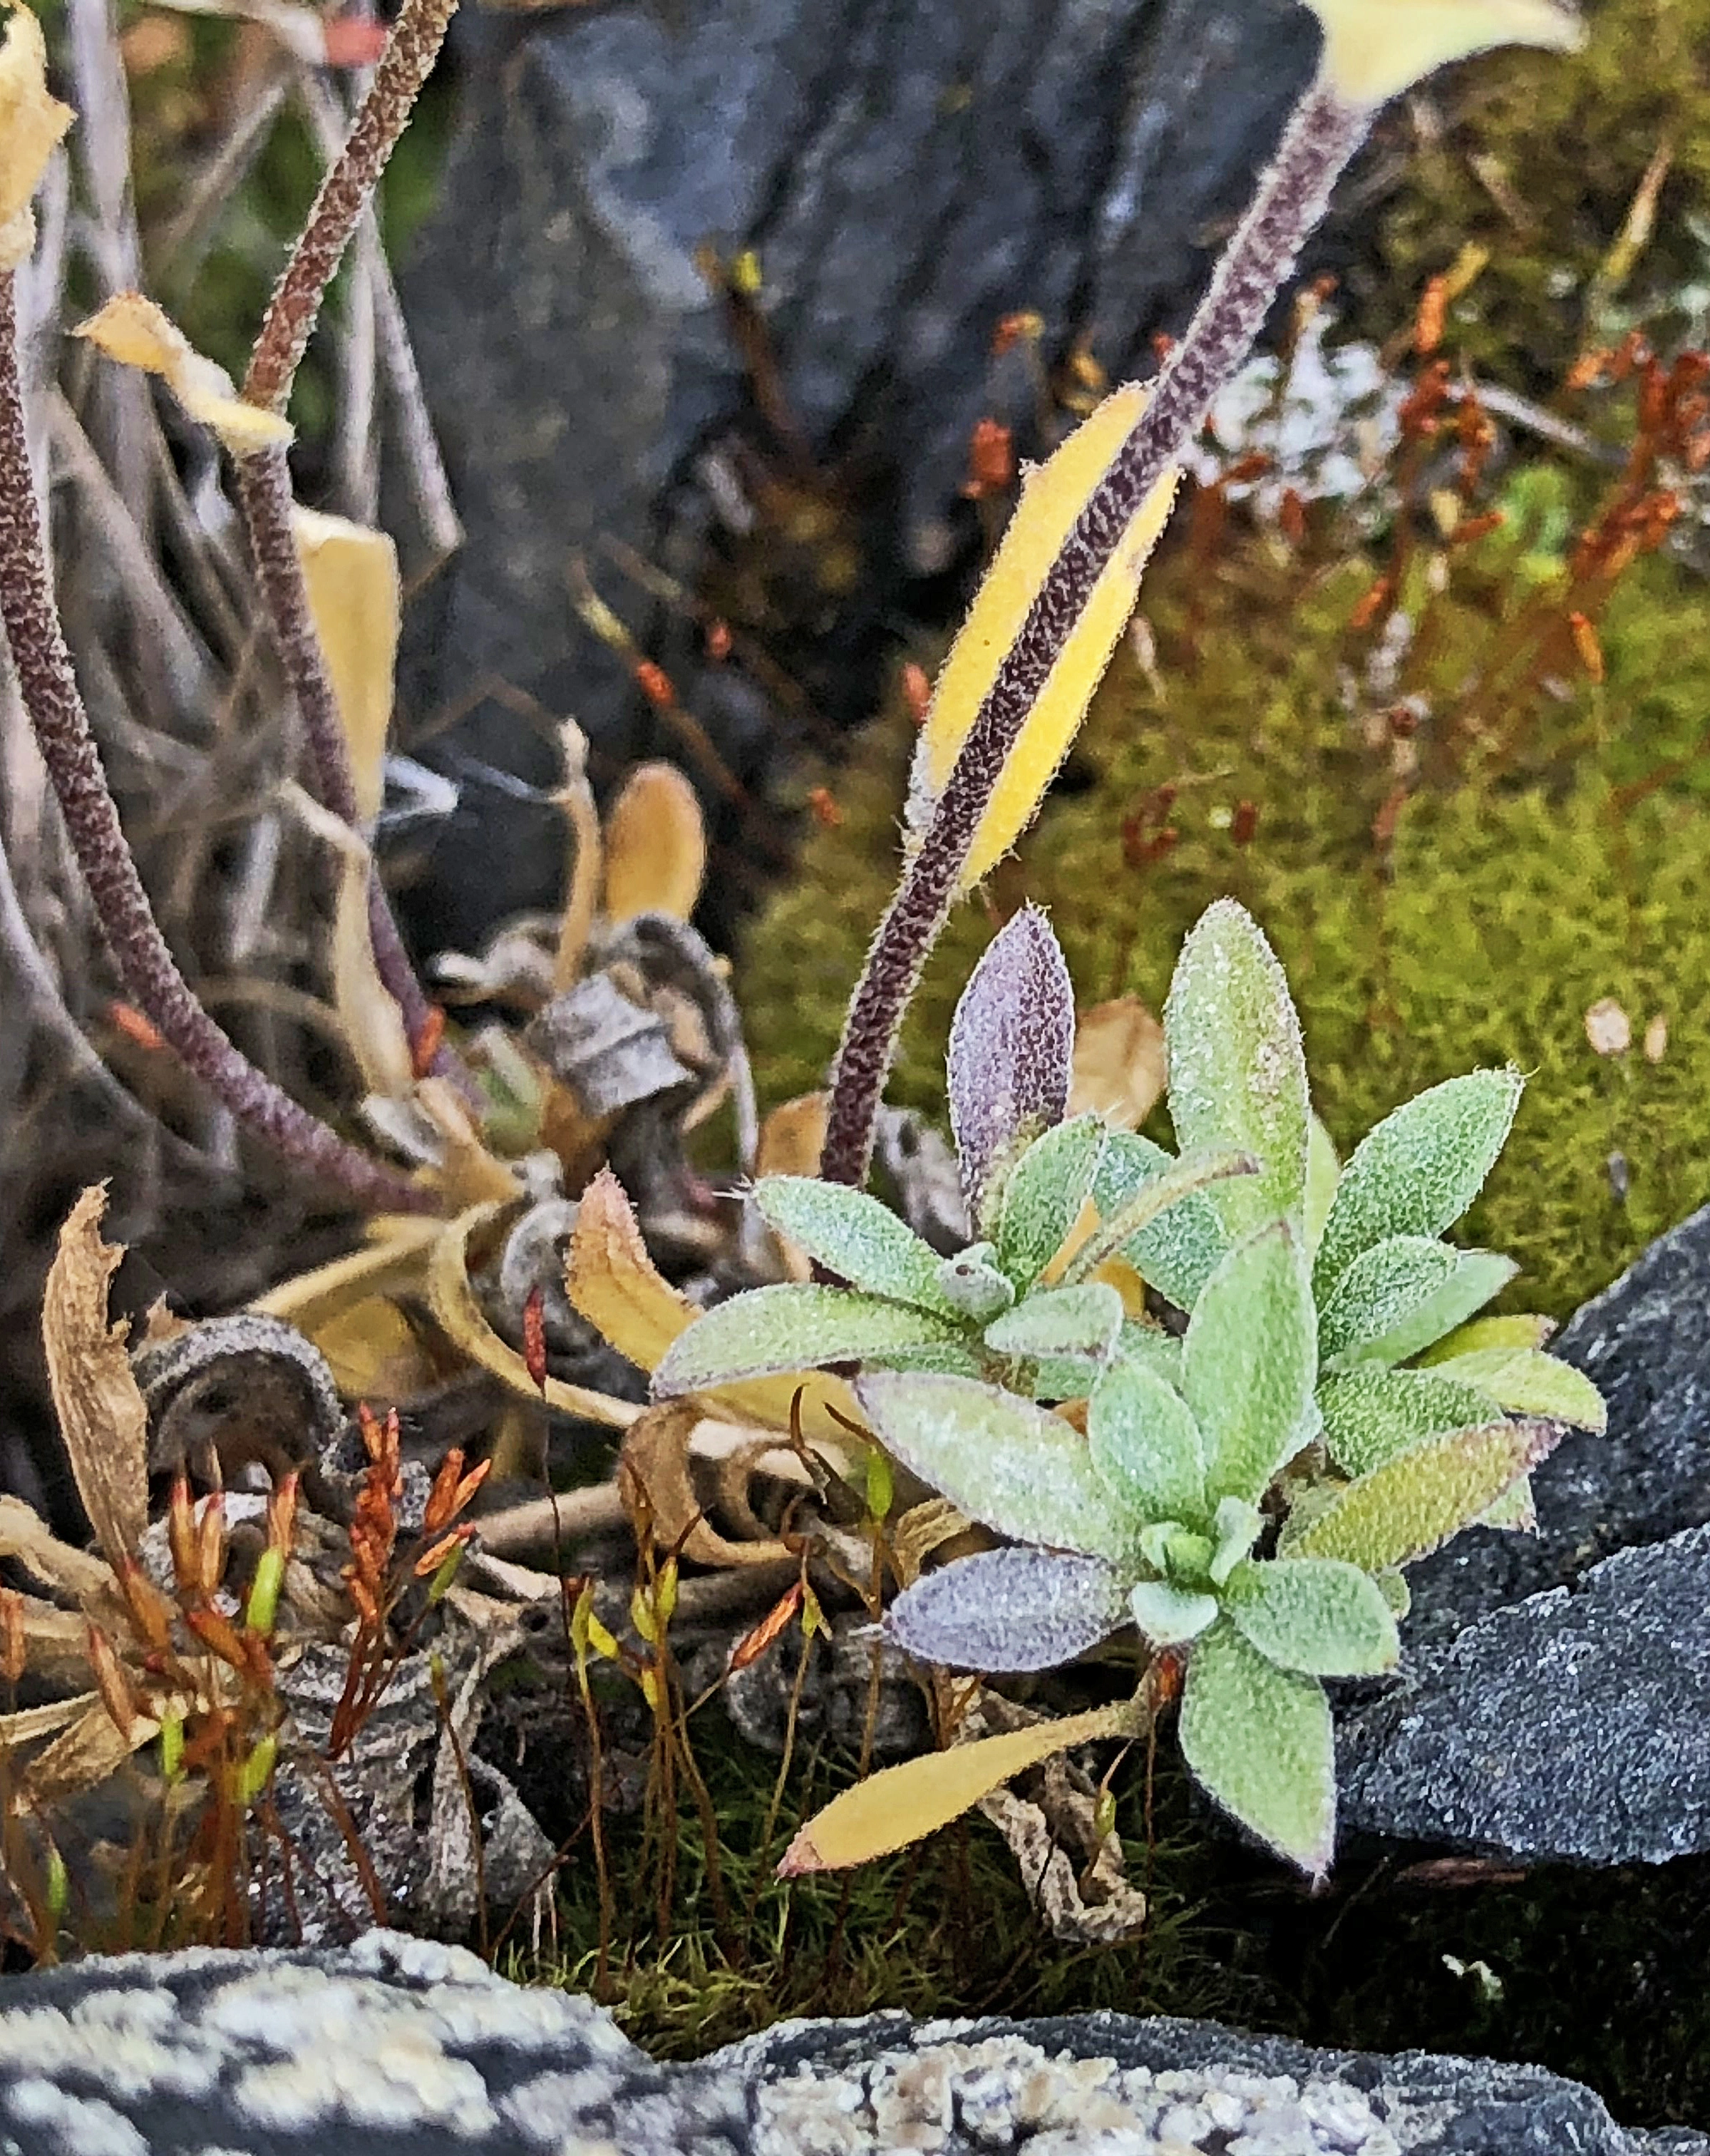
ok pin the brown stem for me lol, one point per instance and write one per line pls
(404, 66)
(264, 486)
(146, 965)
(1322, 135)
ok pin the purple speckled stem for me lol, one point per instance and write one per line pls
(145, 964)
(1322, 135)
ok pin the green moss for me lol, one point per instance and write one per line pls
(1506, 906)
(1537, 144)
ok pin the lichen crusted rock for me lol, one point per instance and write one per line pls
(394, 2043)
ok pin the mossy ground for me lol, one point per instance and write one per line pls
(1504, 908)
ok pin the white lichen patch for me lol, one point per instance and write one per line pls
(1003, 2093)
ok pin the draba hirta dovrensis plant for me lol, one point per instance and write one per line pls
(1244, 1490)
(1215, 1402)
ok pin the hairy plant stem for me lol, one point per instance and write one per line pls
(404, 66)
(146, 965)
(265, 478)
(1322, 134)
(264, 488)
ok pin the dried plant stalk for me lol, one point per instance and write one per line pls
(146, 966)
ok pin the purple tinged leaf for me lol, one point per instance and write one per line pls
(1008, 1611)
(1012, 1052)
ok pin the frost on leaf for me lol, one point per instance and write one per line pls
(1084, 1321)
(1320, 1616)
(797, 1327)
(1418, 1172)
(1372, 1413)
(1008, 1610)
(1145, 1445)
(855, 1237)
(1043, 1195)
(1248, 1361)
(1012, 1051)
(999, 1459)
(1258, 1739)
(1414, 1503)
(1176, 1252)
(1237, 1069)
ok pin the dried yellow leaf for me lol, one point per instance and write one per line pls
(1118, 1063)
(102, 1417)
(28, 1538)
(32, 125)
(137, 333)
(900, 1805)
(395, 1263)
(656, 845)
(368, 1013)
(585, 872)
(792, 1137)
(460, 1316)
(1052, 497)
(1374, 49)
(351, 573)
(89, 1752)
(656, 1452)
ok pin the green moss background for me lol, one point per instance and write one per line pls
(1506, 907)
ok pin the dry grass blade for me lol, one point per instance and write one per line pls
(82, 1756)
(28, 1538)
(102, 1417)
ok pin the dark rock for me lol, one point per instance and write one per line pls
(908, 171)
(1646, 1342)
(1573, 1725)
(397, 2044)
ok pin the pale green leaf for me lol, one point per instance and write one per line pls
(1515, 1512)
(1526, 1381)
(1234, 1528)
(1043, 1197)
(1259, 1740)
(1527, 1331)
(1060, 1320)
(1371, 1413)
(972, 1284)
(1399, 1295)
(799, 1326)
(1418, 1172)
(1145, 1445)
(855, 1237)
(946, 1359)
(1181, 1180)
(1237, 1070)
(1322, 1173)
(1322, 1618)
(1248, 1361)
(1008, 1610)
(999, 1459)
(1176, 1252)
(1414, 1503)
(1169, 1616)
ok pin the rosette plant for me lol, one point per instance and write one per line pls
(1243, 1490)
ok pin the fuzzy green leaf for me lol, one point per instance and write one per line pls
(1008, 1610)
(855, 1237)
(999, 1459)
(1169, 1616)
(1418, 1172)
(944, 1358)
(1176, 1252)
(799, 1326)
(1237, 1070)
(972, 1284)
(1526, 1381)
(1259, 1740)
(1011, 1048)
(1322, 1173)
(1372, 1413)
(1322, 1618)
(1248, 1361)
(1414, 1503)
(1043, 1197)
(1145, 1446)
(1060, 1320)
(1399, 1295)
